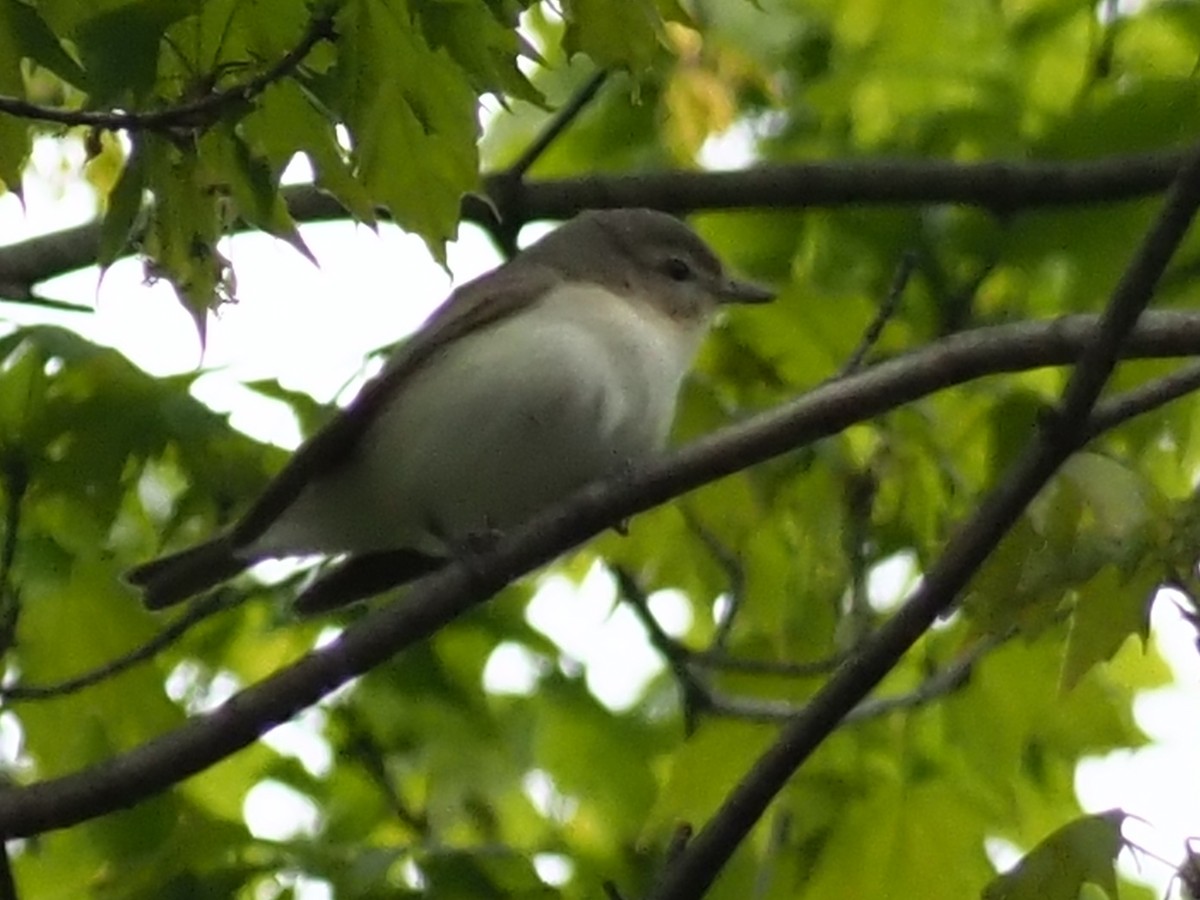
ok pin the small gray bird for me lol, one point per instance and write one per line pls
(553, 370)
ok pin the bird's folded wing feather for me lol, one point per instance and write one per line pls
(471, 307)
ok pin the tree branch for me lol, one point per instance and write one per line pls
(998, 186)
(716, 659)
(8, 884)
(505, 188)
(735, 575)
(1153, 394)
(887, 309)
(431, 603)
(194, 114)
(970, 545)
(556, 126)
(694, 695)
(196, 612)
(16, 484)
(943, 682)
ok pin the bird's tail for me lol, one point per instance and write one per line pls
(178, 576)
(364, 576)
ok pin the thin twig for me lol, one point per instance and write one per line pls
(719, 659)
(16, 484)
(25, 296)
(198, 611)
(694, 695)
(859, 500)
(735, 576)
(1112, 412)
(361, 745)
(557, 125)
(943, 682)
(193, 114)
(887, 309)
(504, 212)
(682, 658)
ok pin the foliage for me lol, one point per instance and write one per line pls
(439, 788)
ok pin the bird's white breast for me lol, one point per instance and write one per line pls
(501, 423)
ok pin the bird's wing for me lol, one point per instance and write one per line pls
(473, 306)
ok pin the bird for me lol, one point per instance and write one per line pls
(559, 367)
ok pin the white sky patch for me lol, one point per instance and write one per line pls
(12, 740)
(553, 868)
(1001, 853)
(546, 798)
(602, 635)
(189, 685)
(731, 149)
(300, 886)
(890, 580)
(301, 738)
(276, 812)
(672, 610)
(1161, 781)
(512, 670)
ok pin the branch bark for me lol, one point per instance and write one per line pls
(136, 774)
(1003, 187)
(196, 113)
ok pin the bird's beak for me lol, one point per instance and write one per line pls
(731, 290)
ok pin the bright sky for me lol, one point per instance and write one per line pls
(311, 329)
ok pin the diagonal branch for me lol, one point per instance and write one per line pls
(506, 188)
(193, 114)
(558, 123)
(1060, 436)
(887, 309)
(126, 779)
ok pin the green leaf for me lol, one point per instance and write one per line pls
(1119, 499)
(592, 754)
(926, 841)
(87, 622)
(119, 47)
(479, 39)
(414, 131)
(311, 414)
(1109, 609)
(290, 120)
(1082, 852)
(15, 145)
(498, 876)
(125, 202)
(703, 771)
(614, 36)
(231, 165)
(22, 397)
(185, 224)
(24, 34)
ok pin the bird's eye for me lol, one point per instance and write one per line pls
(677, 269)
